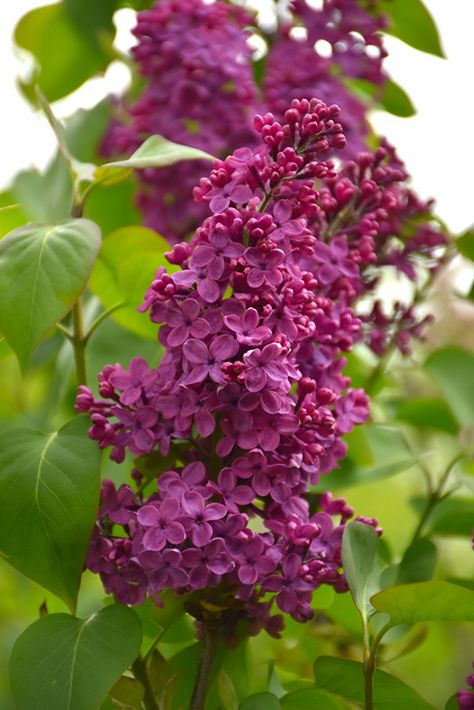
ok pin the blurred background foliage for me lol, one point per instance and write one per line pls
(423, 404)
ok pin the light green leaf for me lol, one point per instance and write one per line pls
(11, 217)
(412, 23)
(395, 100)
(359, 559)
(45, 197)
(311, 698)
(428, 413)
(125, 268)
(453, 370)
(346, 678)
(465, 244)
(75, 661)
(79, 59)
(155, 152)
(49, 492)
(43, 271)
(425, 601)
(375, 452)
(453, 516)
(418, 563)
(260, 701)
(127, 694)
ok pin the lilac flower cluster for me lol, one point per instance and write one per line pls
(191, 54)
(465, 698)
(248, 405)
(354, 50)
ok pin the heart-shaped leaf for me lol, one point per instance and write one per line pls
(155, 152)
(49, 491)
(43, 271)
(425, 601)
(412, 23)
(311, 698)
(346, 679)
(64, 663)
(359, 559)
(453, 370)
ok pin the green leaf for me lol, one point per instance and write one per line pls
(465, 244)
(428, 413)
(452, 703)
(45, 197)
(453, 370)
(124, 270)
(425, 601)
(49, 492)
(155, 152)
(453, 516)
(375, 452)
(412, 23)
(11, 214)
(127, 693)
(114, 207)
(346, 678)
(93, 19)
(260, 701)
(85, 130)
(359, 559)
(79, 59)
(43, 271)
(418, 563)
(311, 698)
(75, 661)
(395, 100)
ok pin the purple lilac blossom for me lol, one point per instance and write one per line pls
(276, 402)
(465, 698)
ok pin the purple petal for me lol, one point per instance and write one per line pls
(175, 533)
(247, 574)
(154, 539)
(193, 503)
(215, 511)
(224, 347)
(202, 534)
(195, 351)
(209, 290)
(148, 515)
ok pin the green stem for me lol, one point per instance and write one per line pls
(140, 672)
(203, 677)
(369, 668)
(101, 317)
(435, 498)
(79, 343)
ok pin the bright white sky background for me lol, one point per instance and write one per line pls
(437, 144)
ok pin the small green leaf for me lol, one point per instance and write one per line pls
(375, 452)
(453, 370)
(359, 559)
(124, 270)
(412, 23)
(45, 197)
(76, 661)
(155, 152)
(79, 59)
(346, 678)
(43, 271)
(418, 563)
(425, 601)
(452, 703)
(395, 100)
(260, 701)
(311, 698)
(127, 693)
(465, 244)
(49, 492)
(453, 516)
(428, 413)
(12, 214)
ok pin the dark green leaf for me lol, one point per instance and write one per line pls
(359, 559)
(125, 268)
(43, 271)
(425, 601)
(418, 563)
(412, 23)
(85, 129)
(260, 701)
(452, 703)
(453, 516)
(155, 152)
(45, 197)
(127, 694)
(346, 678)
(49, 492)
(395, 100)
(428, 413)
(375, 452)
(93, 19)
(75, 661)
(48, 33)
(311, 698)
(465, 244)
(453, 370)
(114, 207)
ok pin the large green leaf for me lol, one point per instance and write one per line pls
(465, 244)
(412, 23)
(418, 562)
(346, 678)
(64, 663)
(47, 196)
(395, 100)
(155, 152)
(359, 559)
(453, 370)
(311, 698)
(125, 268)
(65, 57)
(428, 413)
(49, 492)
(260, 701)
(425, 601)
(453, 516)
(93, 19)
(43, 271)
(375, 452)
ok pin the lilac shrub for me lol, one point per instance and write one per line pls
(249, 403)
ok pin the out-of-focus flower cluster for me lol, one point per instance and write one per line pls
(465, 698)
(249, 404)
